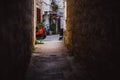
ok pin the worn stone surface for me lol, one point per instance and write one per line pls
(48, 60)
(93, 36)
(51, 62)
(15, 38)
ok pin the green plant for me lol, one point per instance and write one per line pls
(43, 20)
(53, 28)
(54, 6)
(37, 42)
(40, 25)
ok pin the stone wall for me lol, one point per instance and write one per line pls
(93, 36)
(15, 38)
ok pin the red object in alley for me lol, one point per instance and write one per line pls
(40, 31)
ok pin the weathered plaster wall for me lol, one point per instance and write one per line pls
(15, 38)
(93, 36)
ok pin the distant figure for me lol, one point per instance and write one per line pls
(61, 34)
(60, 38)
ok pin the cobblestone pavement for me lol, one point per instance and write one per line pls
(50, 62)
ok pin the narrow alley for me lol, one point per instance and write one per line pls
(90, 49)
(50, 61)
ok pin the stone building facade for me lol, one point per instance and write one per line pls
(46, 8)
(47, 12)
(93, 36)
(16, 28)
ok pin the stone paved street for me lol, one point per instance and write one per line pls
(50, 62)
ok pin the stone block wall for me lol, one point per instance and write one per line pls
(93, 36)
(15, 38)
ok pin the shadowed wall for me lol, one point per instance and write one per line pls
(93, 36)
(15, 38)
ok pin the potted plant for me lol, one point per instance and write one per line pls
(54, 6)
